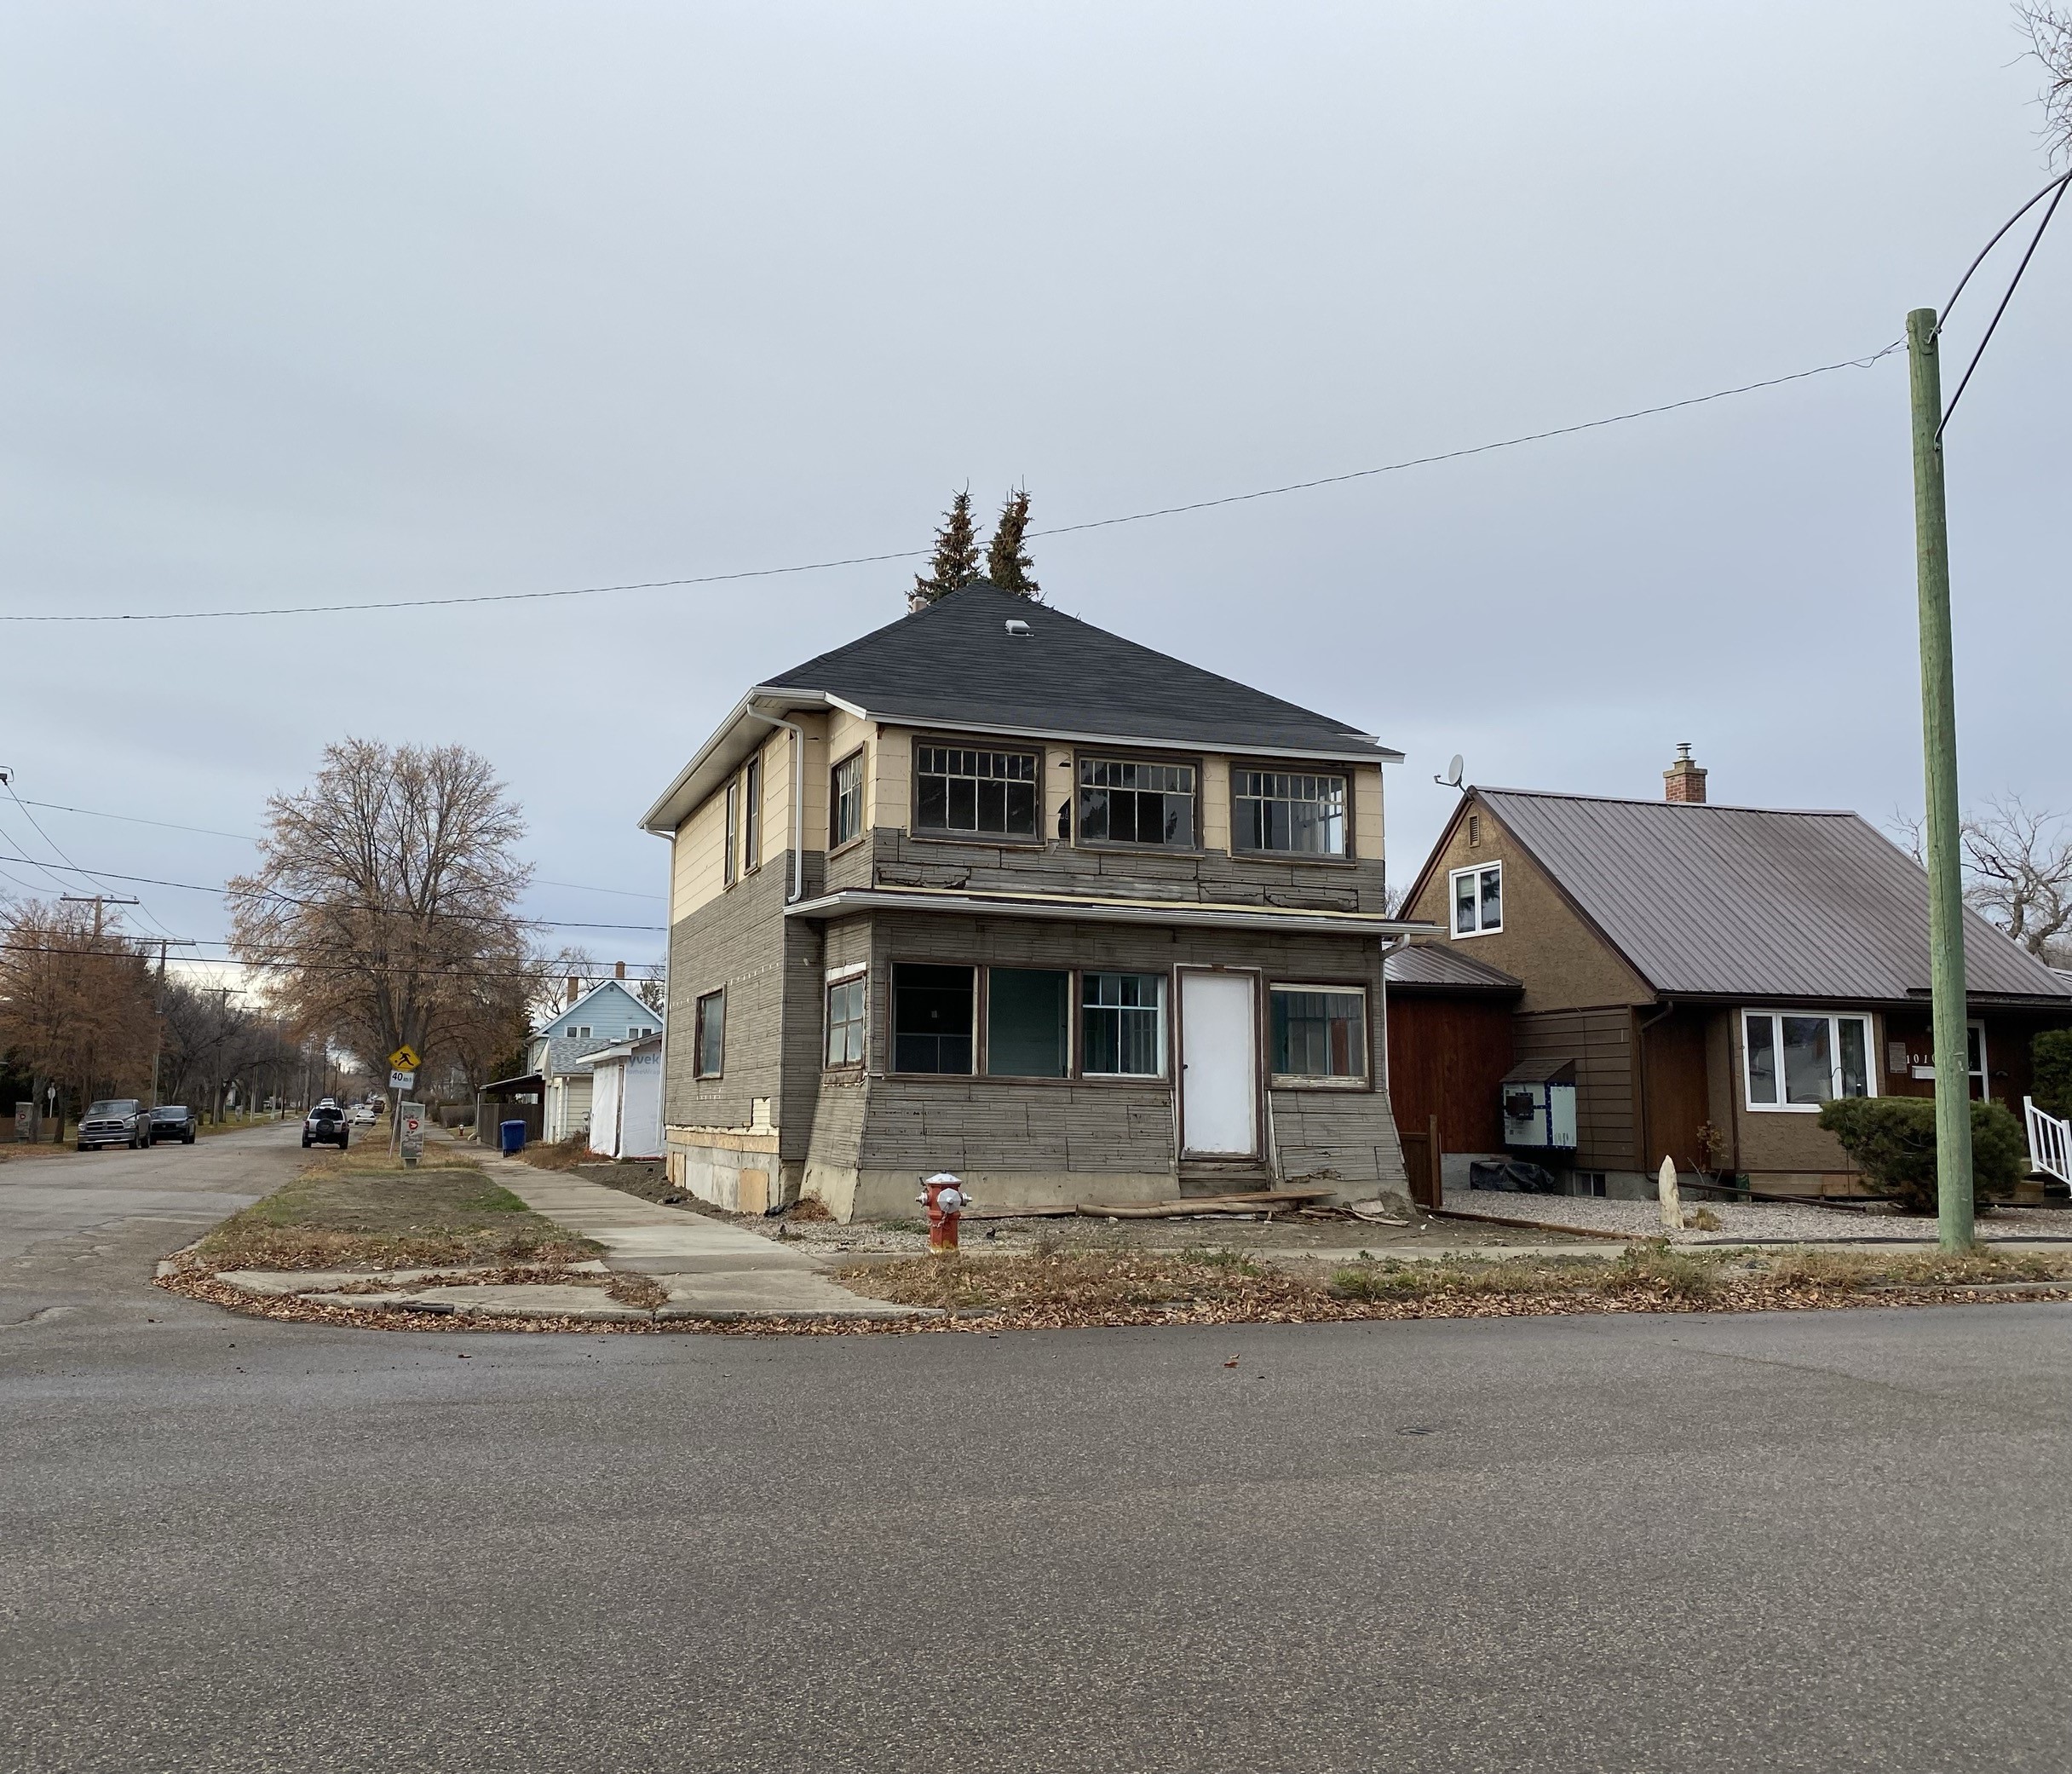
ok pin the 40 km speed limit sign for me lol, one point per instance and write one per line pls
(400, 1080)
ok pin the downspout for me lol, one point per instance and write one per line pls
(798, 800)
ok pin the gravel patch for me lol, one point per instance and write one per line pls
(1748, 1220)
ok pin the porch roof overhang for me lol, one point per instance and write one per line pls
(506, 1087)
(1087, 908)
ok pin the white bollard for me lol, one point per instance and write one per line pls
(1673, 1205)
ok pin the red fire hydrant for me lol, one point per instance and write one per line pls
(945, 1198)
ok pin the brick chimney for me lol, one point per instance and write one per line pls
(575, 988)
(619, 970)
(1683, 781)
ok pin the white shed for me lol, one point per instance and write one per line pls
(626, 1107)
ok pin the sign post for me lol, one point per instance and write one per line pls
(402, 1076)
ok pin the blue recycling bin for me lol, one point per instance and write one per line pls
(511, 1137)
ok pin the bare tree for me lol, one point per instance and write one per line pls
(2049, 31)
(384, 908)
(2017, 871)
(75, 1002)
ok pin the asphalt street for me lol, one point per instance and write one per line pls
(1803, 1541)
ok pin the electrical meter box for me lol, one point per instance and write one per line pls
(1538, 1099)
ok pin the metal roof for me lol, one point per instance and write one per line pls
(1432, 964)
(954, 663)
(1752, 902)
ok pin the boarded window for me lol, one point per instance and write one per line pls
(931, 1019)
(709, 1035)
(845, 1023)
(1122, 1022)
(961, 792)
(1319, 1033)
(1125, 802)
(845, 800)
(1290, 810)
(1028, 1014)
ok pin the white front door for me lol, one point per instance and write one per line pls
(1219, 1065)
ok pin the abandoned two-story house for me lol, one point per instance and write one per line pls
(1706, 977)
(995, 891)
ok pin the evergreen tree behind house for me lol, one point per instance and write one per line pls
(955, 563)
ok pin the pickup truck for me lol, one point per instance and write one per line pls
(113, 1121)
(171, 1120)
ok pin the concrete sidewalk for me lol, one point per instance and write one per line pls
(711, 1269)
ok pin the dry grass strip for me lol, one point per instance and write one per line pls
(1057, 1290)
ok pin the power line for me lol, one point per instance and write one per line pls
(544, 971)
(132, 818)
(104, 876)
(915, 554)
(142, 908)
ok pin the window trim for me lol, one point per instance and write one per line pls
(1305, 1081)
(1119, 755)
(697, 1033)
(1075, 1032)
(995, 742)
(1834, 1018)
(751, 815)
(1452, 901)
(1295, 767)
(857, 975)
(835, 843)
(1164, 1074)
(728, 872)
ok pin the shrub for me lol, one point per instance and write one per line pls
(2052, 1056)
(1893, 1140)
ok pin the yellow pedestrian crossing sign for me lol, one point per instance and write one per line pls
(404, 1059)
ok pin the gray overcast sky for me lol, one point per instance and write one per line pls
(342, 302)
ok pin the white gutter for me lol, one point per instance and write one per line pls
(1286, 919)
(798, 799)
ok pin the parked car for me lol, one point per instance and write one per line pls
(117, 1121)
(326, 1123)
(171, 1120)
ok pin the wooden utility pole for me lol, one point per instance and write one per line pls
(1945, 833)
(97, 901)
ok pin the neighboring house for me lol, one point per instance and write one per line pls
(625, 1104)
(995, 891)
(560, 1053)
(1711, 973)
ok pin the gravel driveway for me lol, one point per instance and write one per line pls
(1758, 1219)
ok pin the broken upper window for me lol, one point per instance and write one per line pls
(1125, 802)
(845, 801)
(963, 792)
(1292, 811)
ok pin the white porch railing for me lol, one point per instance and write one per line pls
(2049, 1142)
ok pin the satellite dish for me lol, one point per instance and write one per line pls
(1452, 778)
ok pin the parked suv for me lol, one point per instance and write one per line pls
(326, 1123)
(170, 1121)
(117, 1121)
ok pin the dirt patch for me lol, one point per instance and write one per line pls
(349, 1213)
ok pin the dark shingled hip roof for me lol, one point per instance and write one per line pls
(955, 664)
(1750, 902)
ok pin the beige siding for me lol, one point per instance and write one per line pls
(1601, 1042)
(697, 855)
(1366, 815)
(1565, 964)
(1216, 803)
